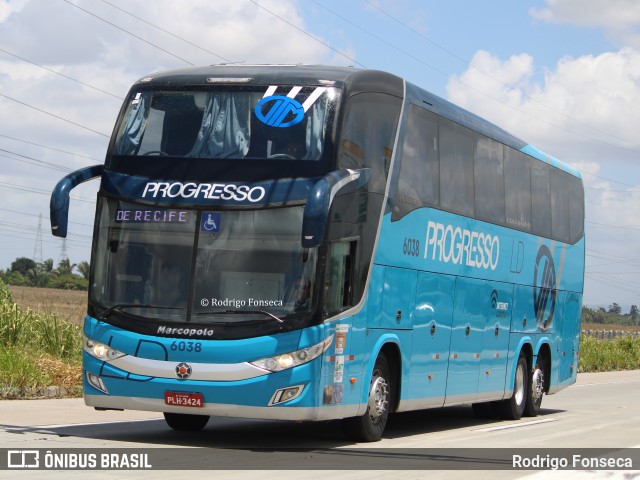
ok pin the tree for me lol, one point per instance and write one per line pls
(37, 277)
(635, 315)
(615, 308)
(69, 281)
(65, 267)
(47, 265)
(590, 315)
(22, 265)
(83, 268)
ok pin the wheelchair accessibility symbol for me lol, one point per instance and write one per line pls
(210, 222)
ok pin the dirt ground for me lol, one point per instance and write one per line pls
(69, 305)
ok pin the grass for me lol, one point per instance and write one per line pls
(621, 353)
(37, 349)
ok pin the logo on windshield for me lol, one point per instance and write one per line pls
(544, 288)
(279, 111)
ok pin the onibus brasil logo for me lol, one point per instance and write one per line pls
(544, 288)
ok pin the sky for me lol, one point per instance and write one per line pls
(563, 75)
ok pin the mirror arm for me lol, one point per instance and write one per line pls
(316, 211)
(59, 206)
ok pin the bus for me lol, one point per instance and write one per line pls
(324, 243)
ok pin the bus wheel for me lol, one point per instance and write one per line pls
(537, 387)
(513, 408)
(369, 427)
(184, 422)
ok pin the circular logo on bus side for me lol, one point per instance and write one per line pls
(183, 370)
(279, 111)
(544, 288)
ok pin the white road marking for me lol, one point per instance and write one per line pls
(516, 425)
(44, 427)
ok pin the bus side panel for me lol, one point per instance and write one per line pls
(470, 309)
(495, 342)
(430, 342)
(393, 295)
(570, 338)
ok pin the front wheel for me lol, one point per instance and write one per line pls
(369, 427)
(184, 422)
(513, 408)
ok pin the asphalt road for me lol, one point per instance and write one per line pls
(600, 411)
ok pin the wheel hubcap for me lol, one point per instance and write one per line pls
(537, 384)
(378, 397)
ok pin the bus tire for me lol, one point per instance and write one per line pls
(184, 422)
(513, 408)
(537, 387)
(369, 427)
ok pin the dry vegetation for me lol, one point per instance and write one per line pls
(67, 305)
(606, 326)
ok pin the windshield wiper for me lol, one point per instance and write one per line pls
(109, 311)
(223, 312)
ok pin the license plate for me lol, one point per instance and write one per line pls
(179, 399)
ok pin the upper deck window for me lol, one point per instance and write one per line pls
(279, 122)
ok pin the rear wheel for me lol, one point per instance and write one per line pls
(369, 427)
(181, 421)
(513, 408)
(537, 387)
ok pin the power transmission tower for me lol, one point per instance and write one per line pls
(37, 249)
(63, 251)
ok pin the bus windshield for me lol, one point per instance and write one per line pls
(280, 122)
(201, 266)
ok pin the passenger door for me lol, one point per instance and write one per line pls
(467, 332)
(431, 338)
(495, 341)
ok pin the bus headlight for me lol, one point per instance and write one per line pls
(100, 350)
(293, 359)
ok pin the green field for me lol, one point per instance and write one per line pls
(36, 350)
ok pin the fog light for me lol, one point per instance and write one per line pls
(96, 382)
(286, 394)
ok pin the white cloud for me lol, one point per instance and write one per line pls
(619, 18)
(583, 106)
(8, 7)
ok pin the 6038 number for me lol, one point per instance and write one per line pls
(186, 346)
(411, 247)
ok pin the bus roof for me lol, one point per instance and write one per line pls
(353, 80)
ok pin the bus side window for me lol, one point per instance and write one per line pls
(456, 168)
(541, 198)
(368, 135)
(559, 182)
(517, 189)
(418, 182)
(489, 180)
(338, 285)
(576, 209)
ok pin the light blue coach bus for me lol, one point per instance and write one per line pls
(312, 243)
